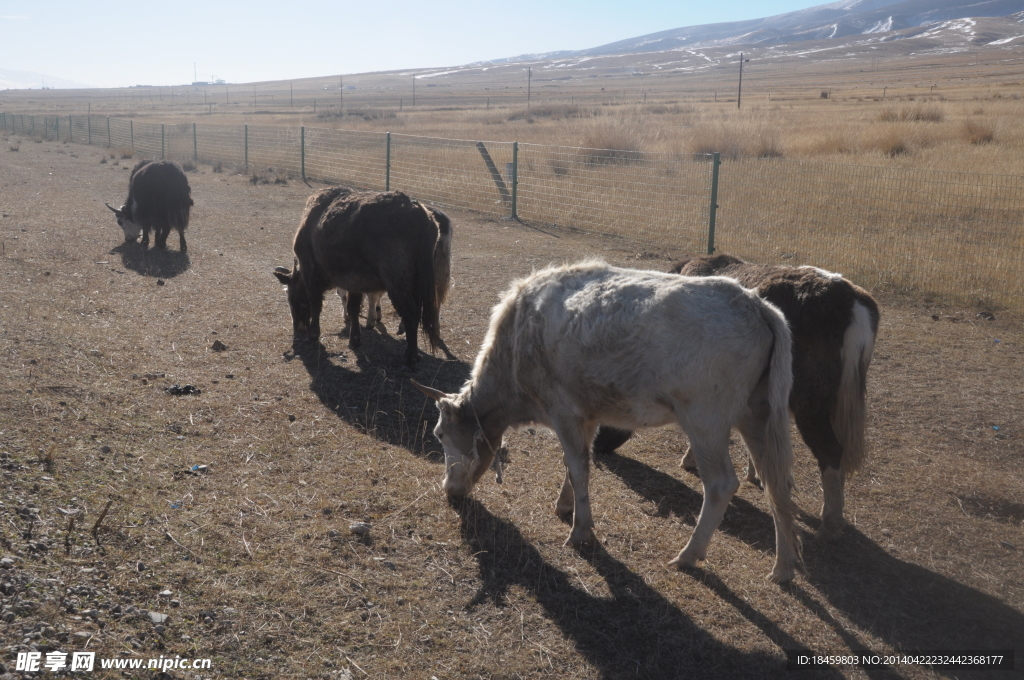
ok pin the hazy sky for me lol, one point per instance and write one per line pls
(116, 44)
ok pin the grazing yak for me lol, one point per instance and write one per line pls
(160, 199)
(834, 324)
(574, 346)
(365, 243)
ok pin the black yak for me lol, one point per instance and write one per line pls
(159, 198)
(365, 242)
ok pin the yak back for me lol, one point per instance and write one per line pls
(812, 300)
(157, 190)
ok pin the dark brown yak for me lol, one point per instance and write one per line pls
(159, 198)
(834, 324)
(365, 242)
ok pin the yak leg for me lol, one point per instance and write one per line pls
(711, 452)
(181, 240)
(355, 301)
(373, 309)
(408, 309)
(816, 428)
(575, 437)
(145, 236)
(161, 236)
(752, 427)
(609, 439)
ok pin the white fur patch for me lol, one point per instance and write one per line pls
(827, 274)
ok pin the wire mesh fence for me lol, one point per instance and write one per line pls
(956, 234)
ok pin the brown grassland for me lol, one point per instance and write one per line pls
(105, 517)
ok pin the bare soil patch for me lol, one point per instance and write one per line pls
(230, 505)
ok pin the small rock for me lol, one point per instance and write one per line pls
(179, 390)
(165, 593)
(988, 316)
(887, 532)
(157, 617)
(159, 282)
(359, 528)
(105, 449)
(218, 346)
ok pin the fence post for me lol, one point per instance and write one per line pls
(195, 145)
(88, 127)
(108, 132)
(302, 147)
(715, 162)
(71, 131)
(246, 136)
(163, 145)
(515, 178)
(131, 130)
(387, 163)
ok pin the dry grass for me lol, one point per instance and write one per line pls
(930, 113)
(266, 578)
(978, 132)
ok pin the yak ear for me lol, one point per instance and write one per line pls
(436, 395)
(283, 275)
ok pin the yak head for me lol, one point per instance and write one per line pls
(298, 299)
(468, 449)
(124, 220)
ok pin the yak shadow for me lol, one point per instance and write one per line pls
(369, 387)
(671, 497)
(634, 633)
(160, 263)
(907, 606)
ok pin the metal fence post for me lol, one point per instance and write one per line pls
(387, 163)
(302, 148)
(108, 132)
(88, 127)
(246, 135)
(715, 162)
(195, 145)
(163, 145)
(515, 178)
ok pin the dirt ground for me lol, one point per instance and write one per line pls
(137, 524)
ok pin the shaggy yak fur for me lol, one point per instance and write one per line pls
(364, 242)
(574, 346)
(159, 198)
(834, 324)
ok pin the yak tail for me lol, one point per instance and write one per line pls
(776, 467)
(442, 256)
(849, 414)
(434, 275)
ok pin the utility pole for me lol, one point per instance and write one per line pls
(739, 92)
(529, 76)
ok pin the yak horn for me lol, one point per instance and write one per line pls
(436, 395)
(112, 208)
(282, 270)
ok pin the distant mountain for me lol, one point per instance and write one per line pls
(27, 80)
(824, 22)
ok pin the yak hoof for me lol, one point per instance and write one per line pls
(829, 531)
(580, 537)
(782, 574)
(354, 343)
